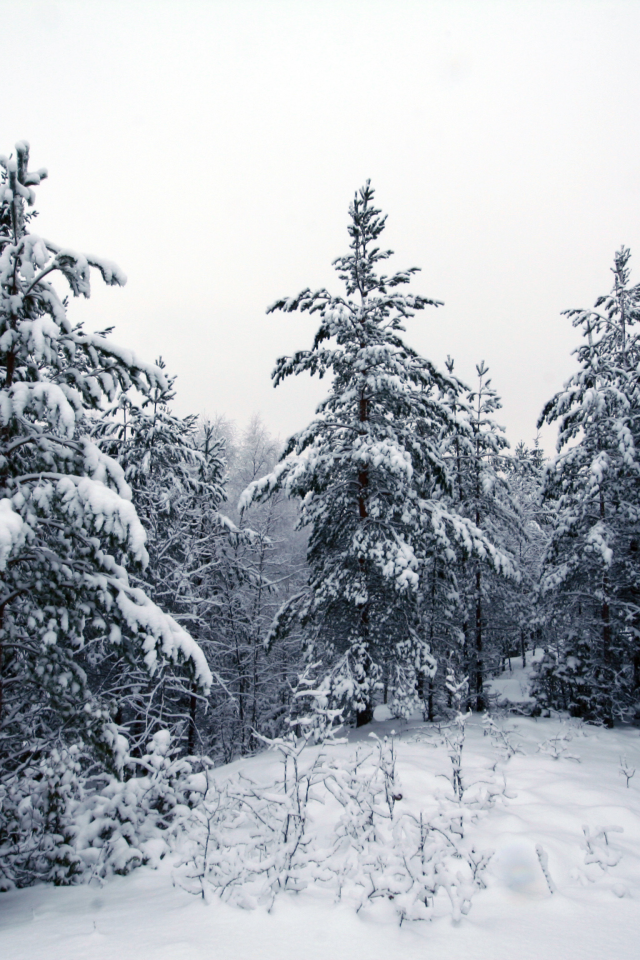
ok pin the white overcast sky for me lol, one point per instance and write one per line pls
(212, 147)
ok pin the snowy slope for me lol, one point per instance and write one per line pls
(567, 777)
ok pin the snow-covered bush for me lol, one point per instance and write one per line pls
(36, 820)
(250, 842)
(502, 737)
(60, 824)
(557, 747)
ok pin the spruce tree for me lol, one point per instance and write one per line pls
(481, 492)
(371, 478)
(175, 470)
(69, 534)
(525, 470)
(591, 577)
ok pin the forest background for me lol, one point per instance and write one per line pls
(435, 550)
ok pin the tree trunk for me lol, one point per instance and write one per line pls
(191, 740)
(1, 669)
(479, 664)
(606, 653)
(365, 715)
(606, 638)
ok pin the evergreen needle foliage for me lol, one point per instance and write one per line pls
(69, 533)
(372, 478)
(591, 579)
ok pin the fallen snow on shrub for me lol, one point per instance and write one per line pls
(504, 846)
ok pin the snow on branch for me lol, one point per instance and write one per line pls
(91, 501)
(13, 531)
(164, 635)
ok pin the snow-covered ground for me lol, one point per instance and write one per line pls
(567, 778)
(512, 688)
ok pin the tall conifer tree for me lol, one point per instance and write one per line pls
(69, 533)
(371, 477)
(476, 454)
(592, 568)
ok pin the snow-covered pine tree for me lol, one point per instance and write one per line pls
(525, 470)
(68, 529)
(481, 493)
(175, 467)
(441, 598)
(370, 476)
(220, 576)
(592, 568)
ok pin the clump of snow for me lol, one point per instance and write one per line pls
(12, 531)
(164, 635)
(160, 743)
(103, 508)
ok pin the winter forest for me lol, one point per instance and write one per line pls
(319, 480)
(177, 595)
